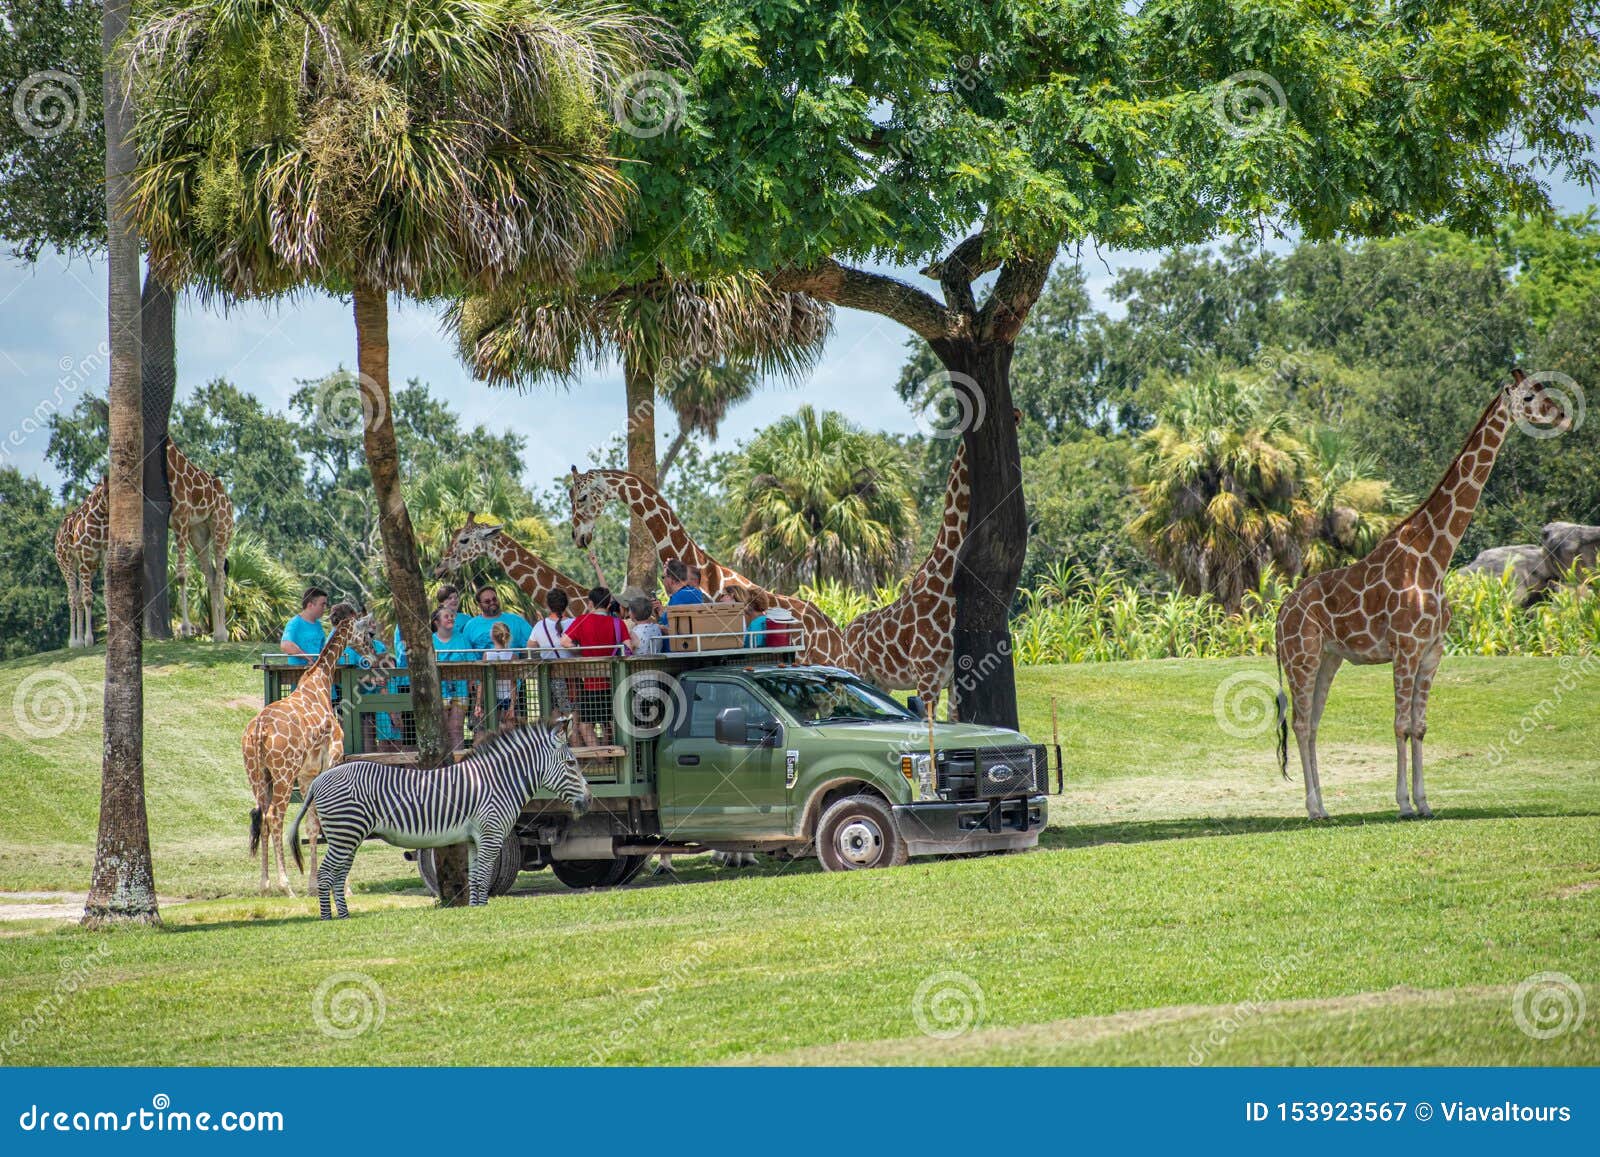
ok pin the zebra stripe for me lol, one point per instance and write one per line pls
(476, 802)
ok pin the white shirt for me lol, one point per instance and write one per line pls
(547, 638)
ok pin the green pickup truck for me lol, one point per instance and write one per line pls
(745, 751)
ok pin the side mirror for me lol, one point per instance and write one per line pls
(730, 728)
(915, 706)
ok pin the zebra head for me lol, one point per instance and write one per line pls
(541, 756)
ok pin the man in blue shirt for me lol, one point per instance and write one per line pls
(303, 635)
(477, 631)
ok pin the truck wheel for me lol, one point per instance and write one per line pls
(507, 866)
(858, 832)
(597, 873)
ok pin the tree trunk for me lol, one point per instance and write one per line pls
(159, 371)
(990, 564)
(400, 560)
(639, 379)
(123, 885)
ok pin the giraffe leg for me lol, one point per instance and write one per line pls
(1300, 671)
(1326, 670)
(179, 546)
(1419, 722)
(280, 806)
(1405, 669)
(86, 605)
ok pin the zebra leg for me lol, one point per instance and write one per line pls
(331, 877)
(485, 852)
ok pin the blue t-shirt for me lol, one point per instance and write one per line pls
(308, 636)
(755, 632)
(682, 597)
(478, 634)
(453, 651)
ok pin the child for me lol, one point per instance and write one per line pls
(504, 689)
(644, 631)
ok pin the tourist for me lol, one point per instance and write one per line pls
(478, 633)
(597, 634)
(780, 628)
(547, 632)
(755, 620)
(303, 635)
(645, 632)
(505, 689)
(448, 647)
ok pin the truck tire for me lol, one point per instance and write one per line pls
(858, 832)
(597, 873)
(507, 866)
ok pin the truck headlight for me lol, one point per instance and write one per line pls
(919, 773)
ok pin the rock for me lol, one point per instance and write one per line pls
(1568, 542)
(1525, 560)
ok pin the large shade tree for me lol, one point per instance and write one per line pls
(52, 196)
(662, 328)
(365, 148)
(976, 139)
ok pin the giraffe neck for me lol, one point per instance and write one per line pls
(319, 676)
(531, 573)
(1437, 525)
(941, 560)
(671, 537)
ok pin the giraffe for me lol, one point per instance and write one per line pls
(593, 490)
(202, 525)
(532, 574)
(1390, 606)
(911, 642)
(291, 741)
(80, 552)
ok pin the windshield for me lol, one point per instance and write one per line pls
(830, 697)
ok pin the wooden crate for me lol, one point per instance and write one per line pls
(705, 627)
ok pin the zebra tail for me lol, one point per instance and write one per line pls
(294, 828)
(1283, 723)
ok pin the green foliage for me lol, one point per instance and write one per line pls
(262, 592)
(841, 602)
(822, 499)
(33, 602)
(1081, 499)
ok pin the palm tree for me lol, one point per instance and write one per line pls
(428, 148)
(661, 328)
(1351, 507)
(701, 397)
(122, 887)
(824, 500)
(262, 592)
(1220, 478)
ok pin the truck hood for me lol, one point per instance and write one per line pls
(914, 736)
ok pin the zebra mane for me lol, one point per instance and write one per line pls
(500, 739)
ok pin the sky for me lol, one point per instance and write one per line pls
(53, 330)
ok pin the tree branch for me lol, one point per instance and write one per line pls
(875, 293)
(959, 269)
(1018, 287)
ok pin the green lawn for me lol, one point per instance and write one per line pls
(1181, 910)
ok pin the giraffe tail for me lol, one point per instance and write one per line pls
(294, 828)
(1283, 723)
(255, 830)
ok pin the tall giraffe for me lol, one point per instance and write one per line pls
(80, 552)
(1390, 606)
(202, 525)
(532, 574)
(291, 741)
(911, 642)
(592, 491)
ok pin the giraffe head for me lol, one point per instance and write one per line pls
(360, 631)
(473, 540)
(590, 493)
(1537, 409)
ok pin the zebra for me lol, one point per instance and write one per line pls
(476, 801)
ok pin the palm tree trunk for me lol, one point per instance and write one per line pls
(639, 380)
(664, 467)
(159, 371)
(123, 885)
(400, 560)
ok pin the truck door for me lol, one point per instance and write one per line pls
(711, 790)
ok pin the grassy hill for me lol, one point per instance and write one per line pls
(1181, 909)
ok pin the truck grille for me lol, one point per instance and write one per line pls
(993, 772)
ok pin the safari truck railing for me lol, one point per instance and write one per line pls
(618, 706)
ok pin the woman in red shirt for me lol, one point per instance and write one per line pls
(598, 633)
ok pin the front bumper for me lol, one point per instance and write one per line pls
(934, 829)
